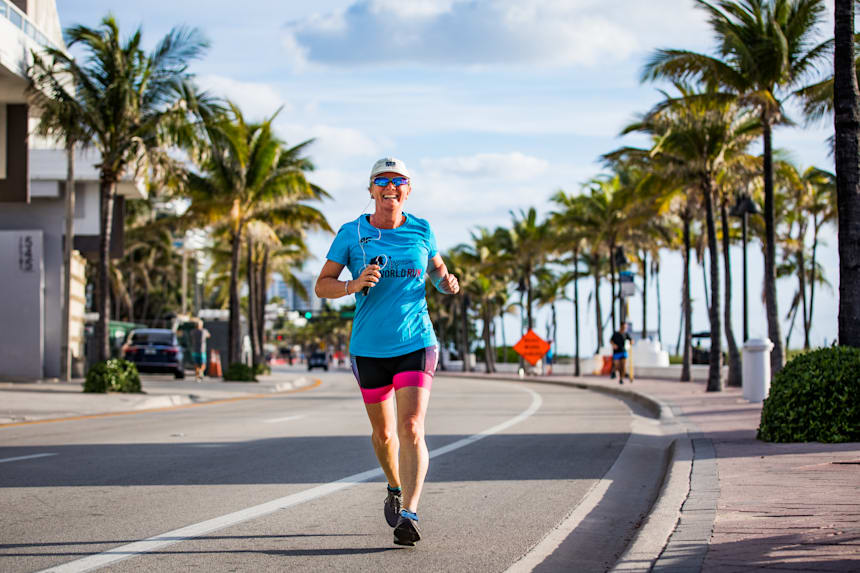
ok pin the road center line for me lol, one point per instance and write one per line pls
(196, 530)
(19, 458)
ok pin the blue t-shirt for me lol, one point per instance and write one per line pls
(392, 319)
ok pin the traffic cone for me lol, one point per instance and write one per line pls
(215, 364)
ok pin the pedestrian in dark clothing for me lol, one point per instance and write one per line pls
(619, 352)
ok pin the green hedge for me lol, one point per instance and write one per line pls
(114, 375)
(239, 372)
(815, 398)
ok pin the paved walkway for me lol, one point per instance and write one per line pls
(773, 507)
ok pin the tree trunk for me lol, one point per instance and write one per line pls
(252, 300)
(813, 275)
(529, 297)
(847, 148)
(644, 295)
(656, 274)
(68, 247)
(107, 188)
(735, 373)
(488, 359)
(597, 310)
(801, 280)
(465, 340)
(715, 381)
(504, 339)
(234, 333)
(773, 327)
(686, 364)
(576, 370)
(612, 286)
(261, 303)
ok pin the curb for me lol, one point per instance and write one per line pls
(657, 528)
(177, 401)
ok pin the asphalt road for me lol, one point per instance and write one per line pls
(290, 482)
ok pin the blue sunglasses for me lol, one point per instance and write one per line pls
(383, 181)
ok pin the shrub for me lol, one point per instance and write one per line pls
(262, 368)
(239, 372)
(114, 375)
(816, 397)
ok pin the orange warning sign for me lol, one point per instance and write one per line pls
(531, 347)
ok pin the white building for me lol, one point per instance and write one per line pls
(292, 299)
(32, 209)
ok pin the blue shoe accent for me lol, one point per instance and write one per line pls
(409, 514)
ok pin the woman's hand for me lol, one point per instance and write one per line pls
(449, 284)
(369, 277)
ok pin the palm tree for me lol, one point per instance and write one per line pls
(250, 175)
(135, 105)
(567, 223)
(847, 146)
(699, 135)
(61, 116)
(527, 249)
(765, 51)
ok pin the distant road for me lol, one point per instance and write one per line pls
(291, 483)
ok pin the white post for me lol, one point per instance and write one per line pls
(756, 369)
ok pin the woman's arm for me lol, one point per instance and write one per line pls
(328, 285)
(445, 282)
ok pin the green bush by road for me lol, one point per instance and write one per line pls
(114, 375)
(815, 398)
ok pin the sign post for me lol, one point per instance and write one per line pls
(531, 347)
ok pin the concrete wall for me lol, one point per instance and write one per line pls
(21, 304)
(48, 217)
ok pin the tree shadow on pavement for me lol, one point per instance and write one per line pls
(303, 460)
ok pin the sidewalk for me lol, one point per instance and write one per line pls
(38, 401)
(764, 507)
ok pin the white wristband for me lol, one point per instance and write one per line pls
(346, 287)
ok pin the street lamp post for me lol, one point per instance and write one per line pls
(744, 207)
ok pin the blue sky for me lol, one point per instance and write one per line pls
(493, 105)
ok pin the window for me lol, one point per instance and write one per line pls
(152, 338)
(3, 9)
(15, 18)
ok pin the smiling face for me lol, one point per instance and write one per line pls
(389, 199)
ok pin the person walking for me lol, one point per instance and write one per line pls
(619, 351)
(198, 349)
(393, 349)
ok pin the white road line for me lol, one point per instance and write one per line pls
(196, 530)
(284, 419)
(19, 458)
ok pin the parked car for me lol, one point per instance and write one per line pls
(318, 359)
(154, 350)
(702, 353)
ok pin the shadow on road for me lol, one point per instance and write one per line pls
(317, 459)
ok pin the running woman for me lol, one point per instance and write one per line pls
(393, 347)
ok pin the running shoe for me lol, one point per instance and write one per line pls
(393, 501)
(406, 532)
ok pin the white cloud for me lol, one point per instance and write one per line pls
(544, 33)
(514, 165)
(256, 100)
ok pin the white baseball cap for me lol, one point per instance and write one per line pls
(390, 165)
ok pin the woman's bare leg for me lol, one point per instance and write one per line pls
(412, 404)
(384, 438)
